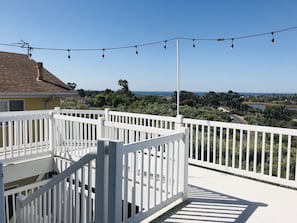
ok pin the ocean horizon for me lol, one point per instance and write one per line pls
(202, 93)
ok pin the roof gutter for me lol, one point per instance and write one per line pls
(35, 94)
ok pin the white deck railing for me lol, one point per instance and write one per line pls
(76, 136)
(154, 121)
(264, 153)
(24, 134)
(91, 114)
(260, 152)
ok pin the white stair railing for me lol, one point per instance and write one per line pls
(66, 198)
(118, 183)
(10, 196)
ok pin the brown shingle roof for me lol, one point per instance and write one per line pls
(18, 75)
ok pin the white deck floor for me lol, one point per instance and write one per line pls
(219, 197)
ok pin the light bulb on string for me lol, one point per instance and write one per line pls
(194, 43)
(103, 55)
(272, 40)
(232, 44)
(69, 54)
(30, 52)
(165, 44)
(136, 50)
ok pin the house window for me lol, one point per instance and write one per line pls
(16, 105)
(3, 106)
(12, 105)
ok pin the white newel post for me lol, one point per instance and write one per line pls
(19, 211)
(106, 114)
(185, 150)
(52, 132)
(100, 128)
(52, 135)
(57, 110)
(179, 122)
(115, 153)
(2, 213)
(108, 194)
(184, 147)
(99, 183)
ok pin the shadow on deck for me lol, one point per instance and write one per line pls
(204, 205)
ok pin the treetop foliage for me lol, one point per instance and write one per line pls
(207, 106)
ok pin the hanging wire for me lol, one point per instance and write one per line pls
(24, 44)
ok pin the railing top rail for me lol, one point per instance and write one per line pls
(76, 111)
(75, 119)
(20, 113)
(87, 158)
(256, 128)
(24, 115)
(26, 187)
(146, 116)
(148, 143)
(139, 128)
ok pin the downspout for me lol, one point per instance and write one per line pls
(46, 102)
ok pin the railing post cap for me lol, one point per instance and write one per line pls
(180, 117)
(106, 113)
(57, 109)
(20, 197)
(179, 121)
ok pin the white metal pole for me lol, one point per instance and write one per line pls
(177, 77)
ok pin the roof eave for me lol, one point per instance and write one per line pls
(36, 94)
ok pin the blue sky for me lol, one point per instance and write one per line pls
(254, 65)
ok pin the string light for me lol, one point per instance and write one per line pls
(165, 44)
(29, 52)
(103, 50)
(232, 44)
(272, 40)
(29, 48)
(69, 54)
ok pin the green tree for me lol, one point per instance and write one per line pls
(72, 85)
(124, 85)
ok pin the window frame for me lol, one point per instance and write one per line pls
(8, 104)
